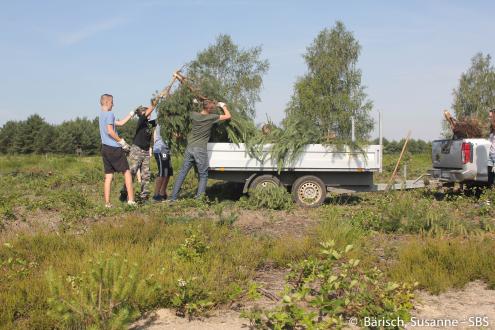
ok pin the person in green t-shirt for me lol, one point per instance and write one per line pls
(197, 141)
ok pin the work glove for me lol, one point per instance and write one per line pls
(195, 101)
(132, 113)
(221, 104)
(125, 146)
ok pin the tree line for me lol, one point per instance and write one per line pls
(36, 136)
(82, 135)
(413, 146)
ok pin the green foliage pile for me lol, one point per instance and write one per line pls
(222, 72)
(269, 197)
(324, 293)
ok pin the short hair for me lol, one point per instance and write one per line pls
(104, 97)
(207, 102)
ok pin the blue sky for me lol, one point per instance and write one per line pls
(57, 57)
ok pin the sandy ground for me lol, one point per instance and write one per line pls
(475, 303)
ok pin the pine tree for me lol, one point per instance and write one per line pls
(108, 294)
(7, 133)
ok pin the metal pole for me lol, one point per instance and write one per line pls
(380, 137)
(353, 133)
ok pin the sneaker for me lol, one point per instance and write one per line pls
(157, 198)
(164, 197)
(108, 206)
(132, 204)
(123, 196)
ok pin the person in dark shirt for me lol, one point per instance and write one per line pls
(139, 155)
(197, 141)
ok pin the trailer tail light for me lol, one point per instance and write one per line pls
(467, 152)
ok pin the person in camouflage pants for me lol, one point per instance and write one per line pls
(139, 159)
(139, 155)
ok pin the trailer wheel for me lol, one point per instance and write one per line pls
(264, 180)
(309, 191)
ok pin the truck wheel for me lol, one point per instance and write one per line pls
(309, 191)
(264, 180)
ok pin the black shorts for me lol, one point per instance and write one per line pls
(114, 159)
(164, 165)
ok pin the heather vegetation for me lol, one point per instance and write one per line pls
(68, 262)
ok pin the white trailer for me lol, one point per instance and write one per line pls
(317, 170)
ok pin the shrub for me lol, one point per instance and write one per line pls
(191, 298)
(324, 293)
(269, 197)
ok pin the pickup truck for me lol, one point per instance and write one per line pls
(460, 161)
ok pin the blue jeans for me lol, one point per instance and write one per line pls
(192, 156)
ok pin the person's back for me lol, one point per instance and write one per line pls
(197, 142)
(201, 125)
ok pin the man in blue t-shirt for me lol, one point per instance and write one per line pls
(113, 149)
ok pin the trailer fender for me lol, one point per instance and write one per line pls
(247, 183)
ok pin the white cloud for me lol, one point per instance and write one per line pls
(86, 32)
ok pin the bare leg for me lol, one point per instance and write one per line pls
(163, 188)
(128, 185)
(107, 186)
(158, 185)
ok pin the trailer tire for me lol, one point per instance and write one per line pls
(309, 191)
(264, 180)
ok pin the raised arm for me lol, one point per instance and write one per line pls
(149, 110)
(226, 113)
(122, 122)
